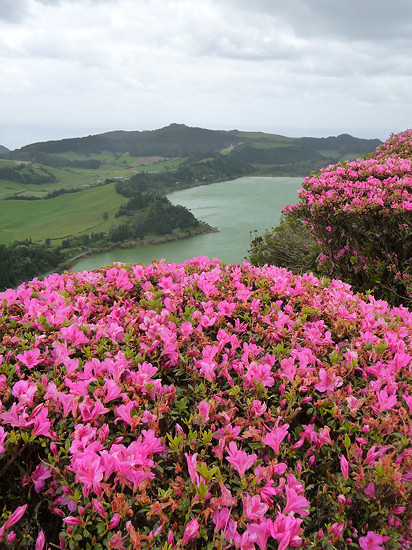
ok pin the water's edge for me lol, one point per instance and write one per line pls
(236, 208)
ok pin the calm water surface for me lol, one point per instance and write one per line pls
(235, 207)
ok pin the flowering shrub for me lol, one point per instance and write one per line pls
(360, 212)
(203, 406)
(399, 145)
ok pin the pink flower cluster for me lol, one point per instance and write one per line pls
(381, 185)
(360, 213)
(399, 145)
(205, 403)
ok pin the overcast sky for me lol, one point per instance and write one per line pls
(72, 68)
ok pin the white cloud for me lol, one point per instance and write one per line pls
(319, 65)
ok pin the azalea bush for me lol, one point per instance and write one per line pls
(360, 213)
(203, 405)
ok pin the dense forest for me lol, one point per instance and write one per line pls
(23, 260)
(22, 173)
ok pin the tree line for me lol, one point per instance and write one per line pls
(22, 260)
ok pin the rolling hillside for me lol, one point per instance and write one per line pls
(268, 153)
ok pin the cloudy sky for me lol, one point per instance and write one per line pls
(295, 67)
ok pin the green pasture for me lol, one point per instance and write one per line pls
(10, 188)
(73, 155)
(264, 144)
(72, 178)
(69, 214)
(66, 177)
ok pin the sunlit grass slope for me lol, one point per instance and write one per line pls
(69, 214)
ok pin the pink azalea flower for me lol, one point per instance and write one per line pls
(74, 335)
(204, 409)
(24, 391)
(344, 466)
(171, 538)
(116, 541)
(257, 408)
(258, 533)
(40, 541)
(261, 373)
(191, 466)
(91, 410)
(97, 505)
(295, 503)
(191, 531)
(124, 413)
(41, 423)
(239, 459)
(186, 329)
(114, 522)
(72, 520)
(328, 382)
(3, 435)
(30, 358)
(16, 516)
(39, 476)
(276, 436)
(254, 508)
(385, 402)
(372, 541)
(221, 518)
(226, 308)
(89, 472)
(370, 490)
(285, 529)
(269, 490)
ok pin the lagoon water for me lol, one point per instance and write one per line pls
(234, 207)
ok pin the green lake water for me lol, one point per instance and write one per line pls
(234, 207)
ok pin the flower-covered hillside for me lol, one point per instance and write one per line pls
(203, 406)
(360, 212)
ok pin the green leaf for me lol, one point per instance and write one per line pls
(201, 490)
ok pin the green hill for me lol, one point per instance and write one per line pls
(269, 153)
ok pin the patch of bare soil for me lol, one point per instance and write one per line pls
(144, 161)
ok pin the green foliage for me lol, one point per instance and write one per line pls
(23, 260)
(288, 245)
(360, 213)
(159, 217)
(196, 171)
(26, 174)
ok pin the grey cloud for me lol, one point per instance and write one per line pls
(13, 11)
(349, 20)
(55, 2)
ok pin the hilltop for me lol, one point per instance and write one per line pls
(268, 153)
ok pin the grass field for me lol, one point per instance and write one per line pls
(71, 178)
(69, 214)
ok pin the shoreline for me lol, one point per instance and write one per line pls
(146, 242)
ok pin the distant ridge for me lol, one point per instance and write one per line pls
(179, 138)
(268, 153)
(4, 150)
(175, 139)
